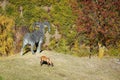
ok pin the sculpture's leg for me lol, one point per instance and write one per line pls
(32, 46)
(22, 49)
(39, 46)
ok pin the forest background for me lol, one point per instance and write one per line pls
(77, 26)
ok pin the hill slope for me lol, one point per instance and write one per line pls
(66, 67)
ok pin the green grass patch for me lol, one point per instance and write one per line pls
(1, 78)
(114, 52)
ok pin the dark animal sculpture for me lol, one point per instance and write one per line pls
(35, 37)
(45, 60)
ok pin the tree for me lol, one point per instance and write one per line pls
(6, 36)
(98, 21)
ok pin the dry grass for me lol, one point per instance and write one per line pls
(66, 67)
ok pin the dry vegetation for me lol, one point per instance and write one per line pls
(66, 67)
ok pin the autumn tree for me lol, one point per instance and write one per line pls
(6, 36)
(98, 21)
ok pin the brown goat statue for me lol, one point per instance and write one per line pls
(45, 60)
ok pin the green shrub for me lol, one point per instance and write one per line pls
(114, 52)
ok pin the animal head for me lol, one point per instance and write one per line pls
(50, 63)
(42, 25)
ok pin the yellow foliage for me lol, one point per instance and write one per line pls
(6, 38)
(101, 50)
(76, 46)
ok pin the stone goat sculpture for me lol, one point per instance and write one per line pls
(35, 37)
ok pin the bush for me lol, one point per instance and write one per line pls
(113, 52)
(6, 35)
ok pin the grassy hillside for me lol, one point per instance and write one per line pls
(66, 67)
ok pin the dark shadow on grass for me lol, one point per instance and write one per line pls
(28, 49)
